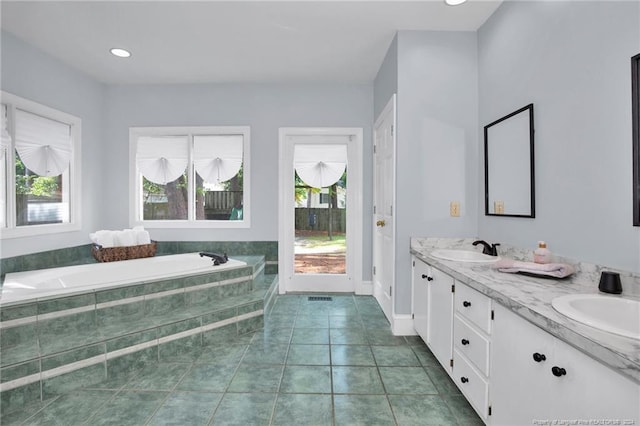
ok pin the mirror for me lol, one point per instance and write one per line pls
(635, 118)
(508, 165)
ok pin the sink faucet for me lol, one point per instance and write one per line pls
(490, 249)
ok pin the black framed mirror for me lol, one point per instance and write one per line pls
(635, 119)
(509, 184)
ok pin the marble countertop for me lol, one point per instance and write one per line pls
(531, 298)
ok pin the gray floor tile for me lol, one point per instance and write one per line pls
(352, 355)
(359, 380)
(303, 409)
(222, 355)
(186, 408)
(71, 409)
(129, 408)
(406, 380)
(162, 376)
(243, 409)
(256, 378)
(395, 356)
(308, 355)
(306, 379)
(348, 336)
(312, 321)
(421, 410)
(266, 353)
(207, 378)
(363, 410)
(311, 336)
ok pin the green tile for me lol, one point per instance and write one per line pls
(411, 410)
(348, 336)
(306, 379)
(72, 356)
(23, 412)
(227, 334)
(131, 340)
(312, 321)
(161, 376)
(61, 304)
(207, 378)
(441, 380)
(383, 337)
(129, 408)
(83, 377)
(414, 341)
(363, 410)
(186, 349)
(303, 409)
(250, 307)
(17, 371)
(312, 336)
(375, 321)
(165, 285)
(219, 316)
(264, 353)
(273, 336)
(425, 356)
(19, 344)
(186, 408)
(222, 355)
(285, 309)
(256, 378)
(73, 408)
(9, 313)
(242, 409)
(462, 410)
(345, 321)
(250, 324)
(178, 327)
(119, 293)
(352, 355)
(361, 380)
(17, 399)
(406, 380)
(395, 356)
(60, 334)
(308, 355)
(167, 304)
(279, 320)
(343, 310)
(126, 366)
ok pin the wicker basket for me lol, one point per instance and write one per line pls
(112, 254)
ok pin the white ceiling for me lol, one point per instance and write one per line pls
(230, 41)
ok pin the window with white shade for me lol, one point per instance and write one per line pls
(190, 176)
(40, 165)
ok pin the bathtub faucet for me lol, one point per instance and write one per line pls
(490, 249)
(218, 259)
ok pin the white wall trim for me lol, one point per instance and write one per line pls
(365, 288)
(402, 325)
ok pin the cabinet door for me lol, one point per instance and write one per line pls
(518, 395)
(421, 274)
(440, 318)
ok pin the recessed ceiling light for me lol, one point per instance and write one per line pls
(454, 2)
(121, 53)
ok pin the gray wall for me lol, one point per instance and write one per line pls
(572, 60)
(31, 74)
(436, 152)
(386, 81)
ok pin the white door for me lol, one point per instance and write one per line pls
(319, 214)
(384, 199)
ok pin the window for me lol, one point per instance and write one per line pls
(190, 176)
(39, 163)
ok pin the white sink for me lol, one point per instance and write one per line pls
(464, 256)
(608, 313)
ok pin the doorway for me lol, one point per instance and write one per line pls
(320, 236)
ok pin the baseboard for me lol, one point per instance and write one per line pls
(365, 288)
(403, 325)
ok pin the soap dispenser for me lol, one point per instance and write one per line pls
(542, 253)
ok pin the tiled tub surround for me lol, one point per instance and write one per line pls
(81, 255)
(531, 298)
(52, 346)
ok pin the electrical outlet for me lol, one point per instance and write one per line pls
(498, 207)
(454, 209)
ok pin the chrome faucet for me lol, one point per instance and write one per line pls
(490, 249)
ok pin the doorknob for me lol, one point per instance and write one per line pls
(380, 223)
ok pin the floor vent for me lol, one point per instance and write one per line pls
(320, 299)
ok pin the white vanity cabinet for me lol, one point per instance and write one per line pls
(537, 377)
(471, 346)
(433, 310)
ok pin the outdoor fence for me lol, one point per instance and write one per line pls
(317, 219)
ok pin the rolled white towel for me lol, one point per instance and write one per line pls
(93, 238)
(142, 237)
(105, 238)
(126, 238)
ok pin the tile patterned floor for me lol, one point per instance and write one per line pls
(315, 363)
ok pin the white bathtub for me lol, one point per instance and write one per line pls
(46, 283)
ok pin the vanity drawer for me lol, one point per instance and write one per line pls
(471, 383)
(474, 306)
(472, 344)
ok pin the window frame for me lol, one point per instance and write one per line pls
(135, 178)
(10, 229)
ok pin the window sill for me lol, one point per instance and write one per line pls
(38, 230)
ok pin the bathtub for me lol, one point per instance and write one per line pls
(52, 282)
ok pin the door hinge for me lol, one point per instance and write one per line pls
(413, 316)
(392, 130)
(489, 410)
(390, 291)
(374, 270)
(374, 148)
(493, 314)
(414, 263)
(453, 288)
(374, 209)
(391, 210)
(451, 362)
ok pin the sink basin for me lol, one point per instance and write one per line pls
(608, 313)
(464, 256)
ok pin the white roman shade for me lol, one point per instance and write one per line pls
(44, 145)
(217, 158)
(320, 166)
(5, 138)
(162, 159)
